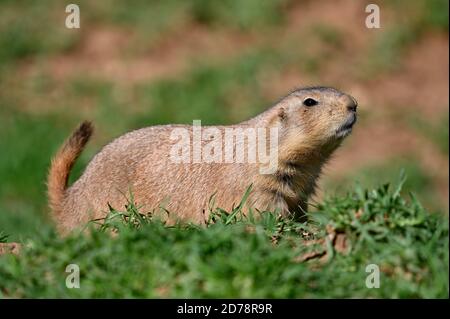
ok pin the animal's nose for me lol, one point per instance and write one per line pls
(351, 103)
(352, 107)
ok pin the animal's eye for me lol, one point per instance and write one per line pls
(310, 102)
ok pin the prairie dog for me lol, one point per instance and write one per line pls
(311, 123)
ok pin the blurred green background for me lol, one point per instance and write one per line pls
(139, 63)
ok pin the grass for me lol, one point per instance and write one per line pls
(25, 37)
(419, 180)
(38, 110)
(25, 164)
(246, 257)
(3, 238)
(426, 14)
(157, 17)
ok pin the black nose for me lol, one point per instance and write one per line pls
(352, 108)
(352, 105)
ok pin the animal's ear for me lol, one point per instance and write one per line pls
(278, 117)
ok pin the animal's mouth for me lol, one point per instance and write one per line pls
(346, 128)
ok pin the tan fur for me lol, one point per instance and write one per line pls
(140, 162)
(61, 165)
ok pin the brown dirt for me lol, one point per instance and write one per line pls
(102, 53)
(422, 83)
(10, 248)
(338, 241)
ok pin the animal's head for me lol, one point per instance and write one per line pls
(318, 118)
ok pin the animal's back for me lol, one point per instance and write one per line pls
(138, 165)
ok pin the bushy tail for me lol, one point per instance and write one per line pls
(62, 163)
